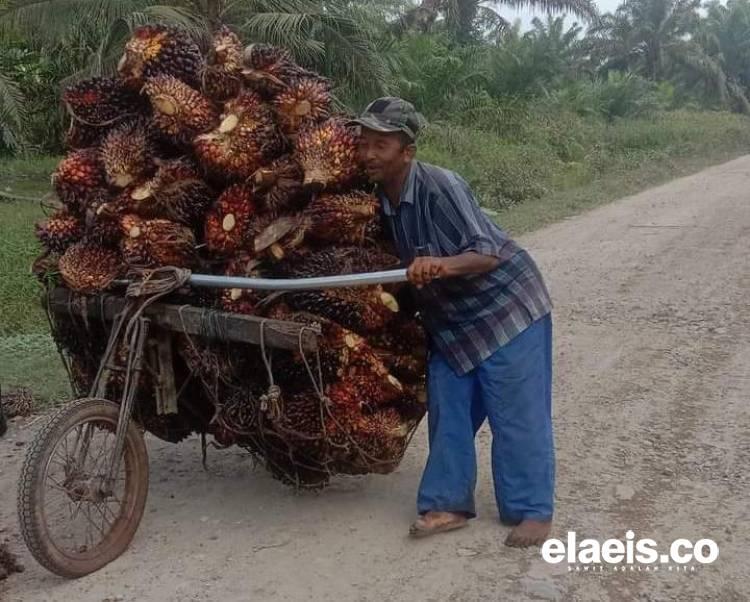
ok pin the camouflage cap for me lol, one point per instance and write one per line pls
(391, 114)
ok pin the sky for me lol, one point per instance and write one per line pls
(526, 15)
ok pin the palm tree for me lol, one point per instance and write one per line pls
(470, 18)
(335, 37)
(12, 114)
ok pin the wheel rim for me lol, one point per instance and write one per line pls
(81, 513)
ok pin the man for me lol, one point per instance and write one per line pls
(488, 316)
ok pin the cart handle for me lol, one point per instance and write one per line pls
(298, 284)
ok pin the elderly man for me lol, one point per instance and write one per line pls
(488, 316)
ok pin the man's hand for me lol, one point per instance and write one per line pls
(424, 270)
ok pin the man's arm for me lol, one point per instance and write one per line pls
(425, 269)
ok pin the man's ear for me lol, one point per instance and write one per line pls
(411, 151)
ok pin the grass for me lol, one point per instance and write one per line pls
(543, 172)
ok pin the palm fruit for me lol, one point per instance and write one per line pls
(236, 300)
(336, 261)
(59, 231)
(351, 218)
(127, 154)
(368, 390)
(101, 101)
(176, 192)
(157, 242)
(364, 309)
(279, 184)
(103, 218)
(222, 76)
(269, 69)
(180, 112)
(303, 417)
(228, 221)
(328, 154)
(304, 102)
(155, 50)
(381, 439)
(246, 139)
(78, 179)
(80, 135)
(87, 268)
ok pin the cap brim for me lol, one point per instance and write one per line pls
(373, 124)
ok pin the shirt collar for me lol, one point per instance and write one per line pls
(407, 193)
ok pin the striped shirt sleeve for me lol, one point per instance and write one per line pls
(460, 221)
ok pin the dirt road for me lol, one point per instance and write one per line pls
(652, 379)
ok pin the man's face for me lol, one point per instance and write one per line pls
(384, 155)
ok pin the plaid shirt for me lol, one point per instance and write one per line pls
(468, 317)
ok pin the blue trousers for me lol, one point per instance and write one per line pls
(513, 390)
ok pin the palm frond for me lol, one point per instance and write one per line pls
(12, 114)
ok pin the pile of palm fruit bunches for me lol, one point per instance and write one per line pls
(233, 161)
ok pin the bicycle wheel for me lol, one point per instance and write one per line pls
(73, 518)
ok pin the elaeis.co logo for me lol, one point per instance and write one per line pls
(631, 555)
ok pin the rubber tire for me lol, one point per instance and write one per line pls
(30, 487)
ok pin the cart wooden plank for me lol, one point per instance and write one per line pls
(188, 319)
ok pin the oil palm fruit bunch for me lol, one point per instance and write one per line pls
(155, 50)
(79, 178)
(221, 77)
(228, 221)
(246, 139)
(362, 310)
(380, 439)
(156, 242)
(103, 219)
(180, 111)
(278, 185)
(80, 135)
(305, 102)
(269, 69)
(58, 232)
(366, 390)
(348, 218)
(127, 154)
(336, 261)
(176, 192)
(328, 155)
(88, 268)
(101, 101)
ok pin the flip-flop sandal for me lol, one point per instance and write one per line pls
(418, 530)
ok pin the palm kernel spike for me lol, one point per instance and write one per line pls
(246, 139)
(101, 101)
(78, 179)
(305, 102)
(157, 242)
(362, 310)
(221, 77)
(87, 268)
(381, 438)
(366, 390)
(155, 50)
(176, 192)
(127, 154)
(279, 184)
(228, 221)
(59, 231)
(180, 112)
(328, 154)
(350, 218)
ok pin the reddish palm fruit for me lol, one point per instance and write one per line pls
(350, 218)
(156, 242)
(279, 184)
(180, 112)
(328, 154)
(59, 231)
(228, 221)
(221, 77)
(79, 179)
(87, 268)
(155, 50)
(127, 154)
(236, 300)
(304, 102)
(101, 101)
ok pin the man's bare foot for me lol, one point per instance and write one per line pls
(528, 533)
(437, 522)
